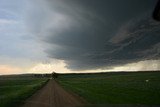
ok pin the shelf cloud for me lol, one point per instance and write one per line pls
(92, 34)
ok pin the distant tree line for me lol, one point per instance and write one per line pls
(52, 75)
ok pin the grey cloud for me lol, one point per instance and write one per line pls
(98, 34)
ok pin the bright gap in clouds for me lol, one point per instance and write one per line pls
(60, 67)
(148, 65)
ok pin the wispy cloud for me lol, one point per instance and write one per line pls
(6, 22)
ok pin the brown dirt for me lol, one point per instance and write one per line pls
(53, 95)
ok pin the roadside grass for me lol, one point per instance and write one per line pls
(115, 88)
(13, 91)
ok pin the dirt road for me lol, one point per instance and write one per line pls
(53, 95)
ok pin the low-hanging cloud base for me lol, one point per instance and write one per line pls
(91, 35)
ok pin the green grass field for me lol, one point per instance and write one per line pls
(115, 88)
(14, 90)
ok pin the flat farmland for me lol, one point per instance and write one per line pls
(137, 88)
(14, 90)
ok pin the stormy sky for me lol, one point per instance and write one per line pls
(79, 35)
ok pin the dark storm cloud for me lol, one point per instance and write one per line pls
(92, 34)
